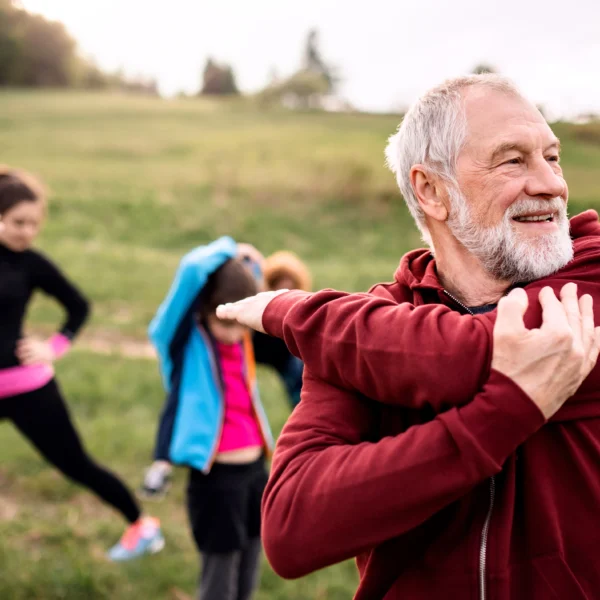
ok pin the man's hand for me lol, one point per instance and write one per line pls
(551, 362)
(34, 352)
(249, 311)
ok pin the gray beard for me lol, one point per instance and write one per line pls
(504, 253)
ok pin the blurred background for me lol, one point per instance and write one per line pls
(160, 126)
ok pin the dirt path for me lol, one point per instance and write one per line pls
(110, 343)
(103, 342)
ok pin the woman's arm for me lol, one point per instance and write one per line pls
(49, 278)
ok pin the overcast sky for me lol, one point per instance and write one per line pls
(387, 51)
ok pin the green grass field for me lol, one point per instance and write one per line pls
(136, 182)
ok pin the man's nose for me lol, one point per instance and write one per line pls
(544, 181)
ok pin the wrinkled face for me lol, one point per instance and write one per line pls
(510, 208)
(21, 225)
(225, 331)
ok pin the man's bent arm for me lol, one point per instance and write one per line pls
(332, 495)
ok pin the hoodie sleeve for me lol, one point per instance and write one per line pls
(190, 278)
(334, 493)
(394, 353)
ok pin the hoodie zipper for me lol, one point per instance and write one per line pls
(465, 308)
(483, 544)
(484, 541)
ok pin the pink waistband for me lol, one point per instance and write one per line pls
(20, 380)
(23, 379)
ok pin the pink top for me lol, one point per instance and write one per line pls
(240, 427)
(20, 380)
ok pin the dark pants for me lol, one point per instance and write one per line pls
(230, 575)
(42, 417)
(224, 513)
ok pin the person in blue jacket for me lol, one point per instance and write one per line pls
(213, 421)
(280, 270)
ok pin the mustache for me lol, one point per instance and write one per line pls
(523, 207)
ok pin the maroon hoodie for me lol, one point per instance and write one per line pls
(480, 501)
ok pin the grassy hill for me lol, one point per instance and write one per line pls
(135, 183)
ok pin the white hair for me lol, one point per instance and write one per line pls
(433, 133)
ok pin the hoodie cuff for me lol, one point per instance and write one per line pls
(495, 423)
(277, 310)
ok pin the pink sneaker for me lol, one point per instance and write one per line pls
(142, 537)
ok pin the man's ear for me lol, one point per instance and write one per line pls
(430, 192)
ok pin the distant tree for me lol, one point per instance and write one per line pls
(314, 62)
(304, 89)
(10, 45)
(37, 52)
(483, 68)
(218, 79)
(49, 53)
(308, 87)
(92, 77)
(312, 58)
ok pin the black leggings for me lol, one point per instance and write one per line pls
(42, 417)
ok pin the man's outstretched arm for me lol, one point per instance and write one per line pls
(393, 353)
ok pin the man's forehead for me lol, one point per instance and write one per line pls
(497, 119)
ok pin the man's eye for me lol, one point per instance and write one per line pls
(554, 158)
(513, 161)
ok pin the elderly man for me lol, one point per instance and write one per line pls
(486, 499)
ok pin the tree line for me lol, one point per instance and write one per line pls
(36, 52)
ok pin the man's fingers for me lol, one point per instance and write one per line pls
(246, 312)
(586, 309)
(249, 311)
(568, 297)
(228, 312)
(233, 309)
(554, 316)
(511, 309)
(594, 351)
